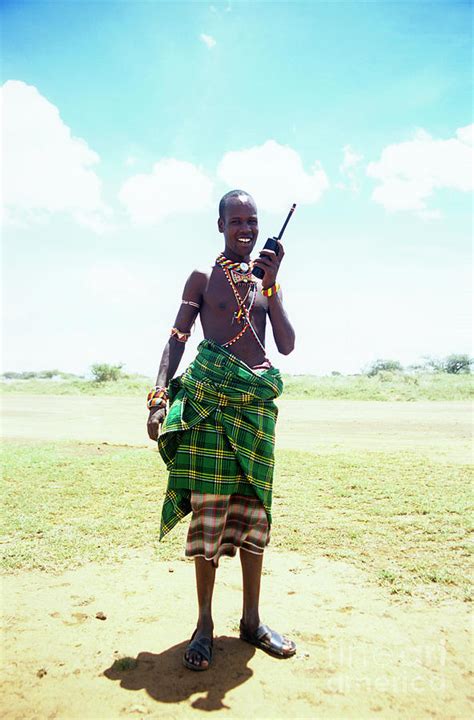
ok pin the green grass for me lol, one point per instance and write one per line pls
(385, 386)
(128, 386)
(401, 517)
(124, 664)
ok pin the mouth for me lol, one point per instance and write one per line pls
(244, 241)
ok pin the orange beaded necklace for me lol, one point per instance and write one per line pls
(242, 314)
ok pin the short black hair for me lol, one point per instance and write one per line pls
(231, 194)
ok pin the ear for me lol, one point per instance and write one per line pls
(220, 224)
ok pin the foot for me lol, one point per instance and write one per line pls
(267, 639)
(198, 654)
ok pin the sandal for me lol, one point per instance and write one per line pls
(203, 646)
(267, 639)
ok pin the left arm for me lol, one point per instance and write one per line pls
(283, 331)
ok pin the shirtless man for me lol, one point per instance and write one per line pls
(232, 509)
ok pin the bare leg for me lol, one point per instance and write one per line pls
(205, 576)
(251, 576)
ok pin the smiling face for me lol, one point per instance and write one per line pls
(239, 224)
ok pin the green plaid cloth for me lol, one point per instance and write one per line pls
(219, 434)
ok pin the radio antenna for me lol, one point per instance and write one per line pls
(292, 210)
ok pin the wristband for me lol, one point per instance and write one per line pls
(157, 397)
(268, 292)
(180, 336)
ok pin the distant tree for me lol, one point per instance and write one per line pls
(48, 374)
(102, 372)
(384, 366)
(24, 375)
(433, 364)
(457, 364)
(335, 373)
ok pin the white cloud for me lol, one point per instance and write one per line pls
(409, 172)
(45, 169)
(466, 134)
(274, 175)
(173, 186)
(430, 214)
(351, 158)
(347, 168)
(207, 40)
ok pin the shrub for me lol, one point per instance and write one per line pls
(455, 364)
(48, 374)
(102, 372)
(24, 375)
(384, 366)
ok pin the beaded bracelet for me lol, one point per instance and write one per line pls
(180, 336)
(268, 292)
(158, 397)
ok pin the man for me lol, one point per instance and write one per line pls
(218, 437)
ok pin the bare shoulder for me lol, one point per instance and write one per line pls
(201, 274)
(196, 284)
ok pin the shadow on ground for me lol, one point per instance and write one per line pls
(166, 680)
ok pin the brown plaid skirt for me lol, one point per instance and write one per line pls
(222, 523)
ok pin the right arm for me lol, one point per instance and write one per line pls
(174, 349)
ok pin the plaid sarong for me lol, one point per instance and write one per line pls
(223, 523)
(219, 434)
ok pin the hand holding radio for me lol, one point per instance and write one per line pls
(271, 255)
(269, 263)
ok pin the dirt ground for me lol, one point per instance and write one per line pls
(440, 430)
(362, 652)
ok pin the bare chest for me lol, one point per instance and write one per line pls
(222, 300)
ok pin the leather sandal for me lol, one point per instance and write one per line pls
(203, 646)
(268, 640)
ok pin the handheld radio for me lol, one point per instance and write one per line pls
(272, 243)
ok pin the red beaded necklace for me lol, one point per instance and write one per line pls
(242, 314)
(241, 272)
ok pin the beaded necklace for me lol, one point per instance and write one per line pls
(242, 314)
(241, 272)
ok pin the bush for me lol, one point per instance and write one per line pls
(48, 374)
(24, 375)
(102, 372)
(455, 364)
(384, 366)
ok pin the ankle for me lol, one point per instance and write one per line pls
(251, 619)
(205, 623)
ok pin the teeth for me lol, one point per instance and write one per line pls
(244, 240)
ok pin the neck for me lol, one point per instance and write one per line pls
(230, 255)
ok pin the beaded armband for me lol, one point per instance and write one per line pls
(268, 292)
(158, 397)
(180, 336)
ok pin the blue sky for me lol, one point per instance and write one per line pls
(126, 121)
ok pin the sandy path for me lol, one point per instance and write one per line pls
(439, 430)
(361, 653)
